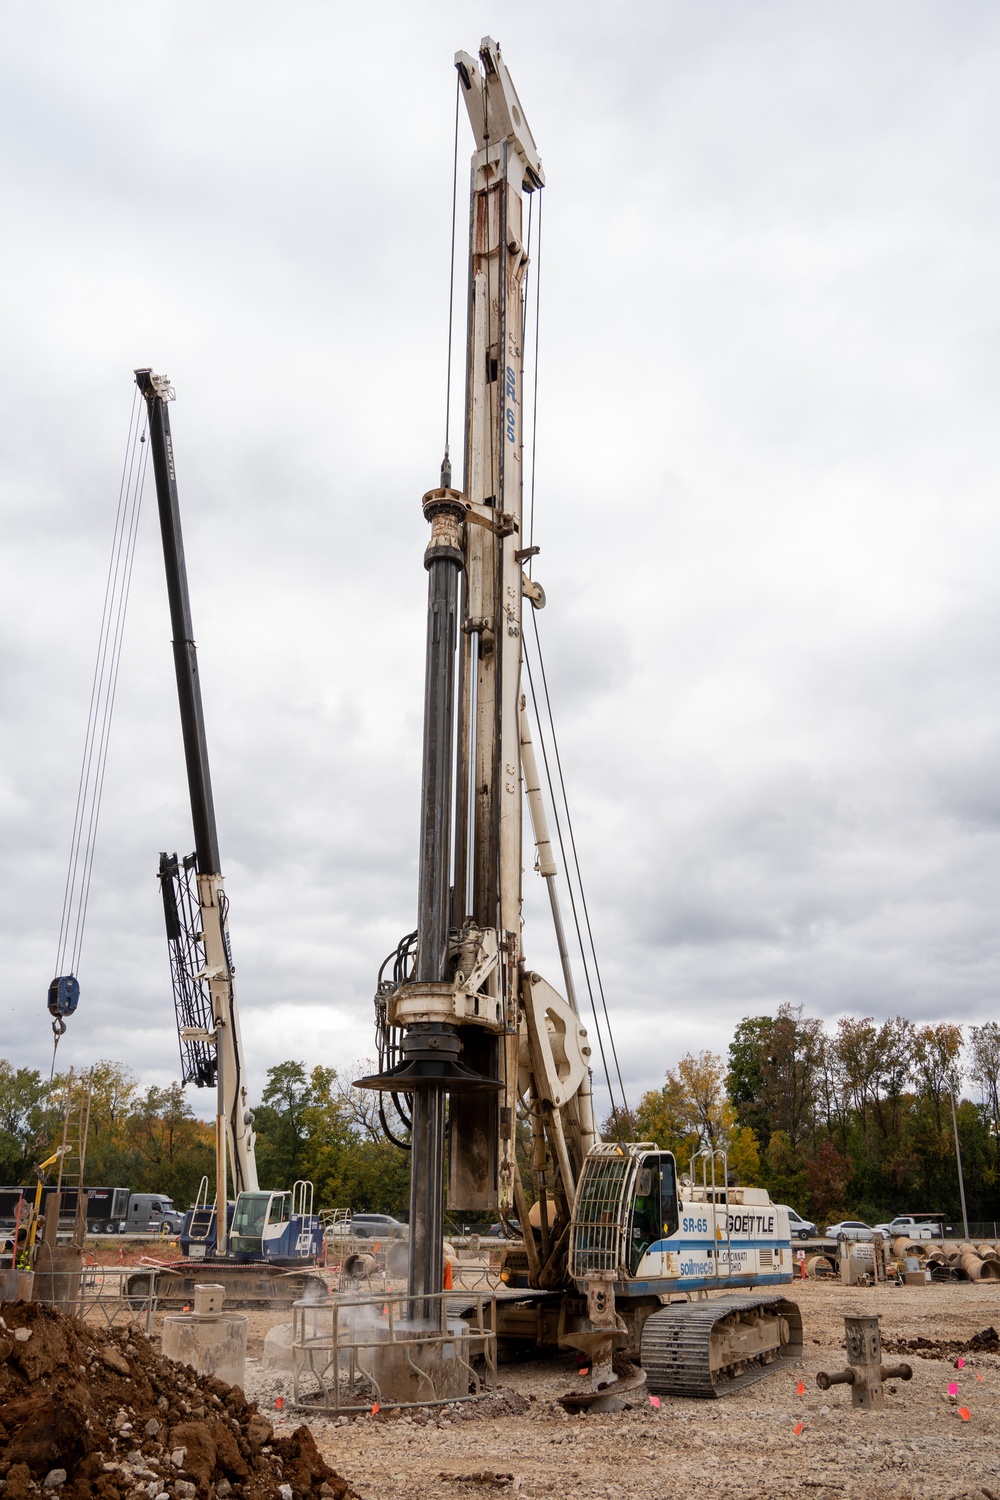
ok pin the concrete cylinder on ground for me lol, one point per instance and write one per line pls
(979, 1270)
(819, 1265)
(210, 1341)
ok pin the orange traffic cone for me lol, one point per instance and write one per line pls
(448, 1282)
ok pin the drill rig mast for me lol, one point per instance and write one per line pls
(467, 1017)
(470, 1037)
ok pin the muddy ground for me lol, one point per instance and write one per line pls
(743, 1446)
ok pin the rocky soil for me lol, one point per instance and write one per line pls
(92, 1414)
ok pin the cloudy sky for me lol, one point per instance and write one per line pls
(766, 494)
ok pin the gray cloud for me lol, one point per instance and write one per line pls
(766, 484)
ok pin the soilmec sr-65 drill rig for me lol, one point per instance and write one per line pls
(471, 1039)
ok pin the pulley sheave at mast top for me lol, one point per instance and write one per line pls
(495, 110)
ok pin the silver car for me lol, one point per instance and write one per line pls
(849, 1229)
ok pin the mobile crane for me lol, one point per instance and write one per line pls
(471, 1039)
(263, 1232)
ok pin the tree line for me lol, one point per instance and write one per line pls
(854, 1121)
(309, 1124)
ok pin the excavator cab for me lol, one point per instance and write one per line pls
(654, 1205)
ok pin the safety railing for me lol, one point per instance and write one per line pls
(355, 1353)
(105, 1295)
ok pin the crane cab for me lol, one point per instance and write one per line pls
(261, 1225)
(276, 1226)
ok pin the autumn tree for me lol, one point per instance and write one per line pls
(173, 1150)
(827, 1179)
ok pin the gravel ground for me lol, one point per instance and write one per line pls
(743, 1446)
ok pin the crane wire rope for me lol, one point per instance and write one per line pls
(573, 868)
(536, 704)
(90, 788)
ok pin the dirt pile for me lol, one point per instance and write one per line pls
(987, 1341)
(98, 1414)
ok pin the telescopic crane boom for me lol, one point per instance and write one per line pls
(201, 959)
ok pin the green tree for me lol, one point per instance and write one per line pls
(774, 1068)
(22, 1114)
(280, 1121)
(172, 1149)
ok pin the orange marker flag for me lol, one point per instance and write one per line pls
(964, 1413)
(978, 1376)
(800, 1389)
(798, 1427)
(375, 1410)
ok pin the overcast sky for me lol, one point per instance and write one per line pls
(766, 495)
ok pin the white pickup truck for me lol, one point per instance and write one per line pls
(913, 1227)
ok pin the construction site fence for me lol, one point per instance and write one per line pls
(99, 1295)
(354, 1354)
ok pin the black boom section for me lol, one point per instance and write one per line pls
(192, 1001)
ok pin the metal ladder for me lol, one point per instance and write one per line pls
(73, 1149)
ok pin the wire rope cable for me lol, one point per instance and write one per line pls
(574, 867)
(90, 787)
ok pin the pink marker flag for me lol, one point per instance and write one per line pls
(961, 1363)
(953, 1388)
(655, 1401)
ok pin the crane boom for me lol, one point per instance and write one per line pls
(208, 1022)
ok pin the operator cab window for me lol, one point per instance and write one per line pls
(654, 1210)
(668, 1195)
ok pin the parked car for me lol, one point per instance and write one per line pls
(849, 1229)
(378, 1227)
(798, 1228)
(509, 1231)
(914, 1227)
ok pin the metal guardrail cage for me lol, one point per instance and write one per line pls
(352, 1353)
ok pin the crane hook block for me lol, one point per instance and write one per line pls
(64, 995)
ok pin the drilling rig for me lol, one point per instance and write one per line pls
(471, 1038)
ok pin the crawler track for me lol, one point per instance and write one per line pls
(707, 1349)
